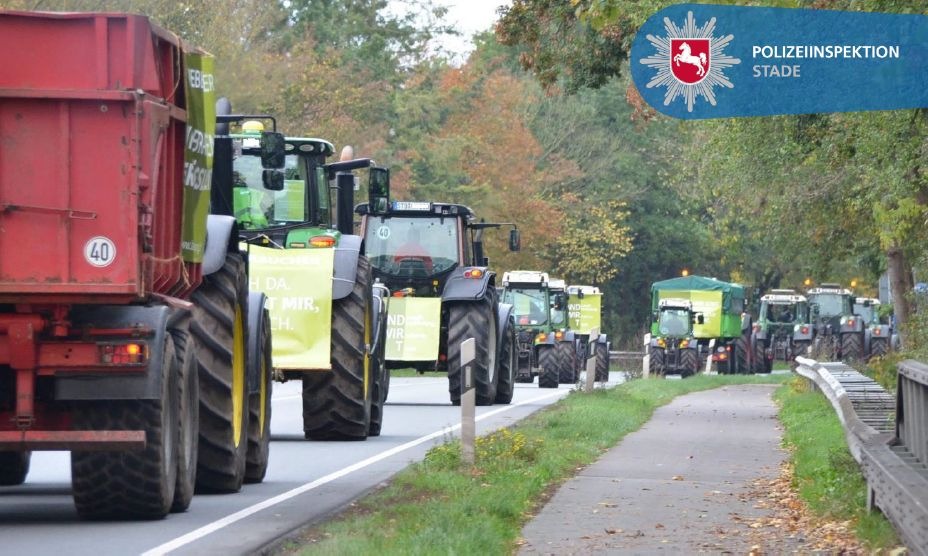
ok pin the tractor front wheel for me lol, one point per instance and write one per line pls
(550, 372)
(602, 362)
(656, 361)
(475, 320)
(505, 387)
(566, 354)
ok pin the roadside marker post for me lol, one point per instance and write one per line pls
(591, 359)
(468, 401)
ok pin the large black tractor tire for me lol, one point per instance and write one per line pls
(689, 361)
(381, 383)
(550, 372)
(567, 362)
(259, 402)
(14, 466)
(800, 348)
(475, 320)
(135, 484)
(852, 347)
(505, 386)
(337, 403)
(219, 329)
(656, 362)
(188, 423)
(602, 362)
(742, 356)
(759, 362)
(879, 347)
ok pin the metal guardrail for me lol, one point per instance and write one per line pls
(884, 434)
(617, 356)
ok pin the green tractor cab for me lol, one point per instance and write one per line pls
(783, 329)
(431, 256)
(327, 315)
(545, 347)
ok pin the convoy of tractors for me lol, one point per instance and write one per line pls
(182, 258)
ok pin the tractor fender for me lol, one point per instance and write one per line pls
(503, 325)
(846, 328)
(459, 288)
(653, 343)
(799, 336)
(218, 236)
(603, 339)
(569, 336)
(548, 341)
(256, 311)
(118, 386)
(346, 265)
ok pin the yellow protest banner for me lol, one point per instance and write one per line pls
(413, 328)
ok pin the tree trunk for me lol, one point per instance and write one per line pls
(901, 284)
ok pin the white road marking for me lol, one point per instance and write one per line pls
(198, 534)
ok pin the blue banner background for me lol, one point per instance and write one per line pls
(824, 85)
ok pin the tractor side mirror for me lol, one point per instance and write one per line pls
(378, 190)
(654, 316)
(273, 180)
(272, 151)
(515, 240)
(560, 301)
(700, 319)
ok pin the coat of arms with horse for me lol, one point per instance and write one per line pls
(690, 62)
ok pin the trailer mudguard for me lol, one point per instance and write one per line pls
(218, 234)
(503, 324)
(346, 265)
(459, 288)
(141, 385)
(256, 301)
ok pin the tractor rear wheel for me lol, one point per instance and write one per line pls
(137, 483)
(566, 354)
(380, 384)
(337, 403)
(189, 421)
(656, 361)
(742, 356)
(602, 362)
(852, 347)
(259, 403)
(689, 362)
(477, 320)
(505, 386)
(879, 347)
(550, 372)
(218, 326)
(759, 362)
(14, 466)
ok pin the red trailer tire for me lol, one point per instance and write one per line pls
(130, 484)
(188, 421)
(218, 325)
(14, 466)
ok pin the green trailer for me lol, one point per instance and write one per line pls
(725, 330)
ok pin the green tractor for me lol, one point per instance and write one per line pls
(839, 333)
(782, 329)
(584, 312)
(430, 255)
(545, 347)
(675, 350)
(878, 334)
(326, 313)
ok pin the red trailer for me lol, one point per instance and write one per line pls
(112, 343)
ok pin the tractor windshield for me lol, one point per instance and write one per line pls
(866, 312)
(780, 312)
(674, 323)
(255, 206)
(831, 304)
(412, 246)
(528, 305)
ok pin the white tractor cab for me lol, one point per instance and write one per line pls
(782, 330)
(545, 347)
(675, 350)
(879, 337)
(584, 315)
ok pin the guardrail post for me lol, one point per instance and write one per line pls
(468, 402)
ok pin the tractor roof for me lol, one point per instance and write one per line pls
(862, 300)
(675, 303)
(533, 277)
(309, 145)
(700, 283)
(582, 289)
(783, 298)
(421, 209)
(557, 284)
(829, 289)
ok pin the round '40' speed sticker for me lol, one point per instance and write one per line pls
(100, 251)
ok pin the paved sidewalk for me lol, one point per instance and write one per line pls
(680, 485)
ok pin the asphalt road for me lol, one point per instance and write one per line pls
(306, 481)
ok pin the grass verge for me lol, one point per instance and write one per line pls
(826, 475)
(438, 506)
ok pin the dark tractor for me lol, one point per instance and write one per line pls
(782, 330)
(838, 333)
(430, 255)
(878, 334)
